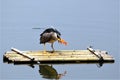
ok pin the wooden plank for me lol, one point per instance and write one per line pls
(57, 56)
(13, 54)
(21, 53)
(95, 53)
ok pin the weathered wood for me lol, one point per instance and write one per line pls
(17, 56)
(21, 53)
(95, 53)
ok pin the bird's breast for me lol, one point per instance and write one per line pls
(53, 38)
(52, 41)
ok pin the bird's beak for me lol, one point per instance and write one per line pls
(62, 41)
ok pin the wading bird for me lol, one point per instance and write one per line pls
(50, 35)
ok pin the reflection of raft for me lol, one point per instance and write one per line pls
(61, 56)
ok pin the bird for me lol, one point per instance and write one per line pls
(50, 35)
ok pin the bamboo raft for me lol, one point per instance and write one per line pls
(62, 56)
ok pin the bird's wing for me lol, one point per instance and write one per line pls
(45, 37)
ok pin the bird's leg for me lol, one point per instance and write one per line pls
(44, 49)
(52, 47)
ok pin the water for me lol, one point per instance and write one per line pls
(81, 22)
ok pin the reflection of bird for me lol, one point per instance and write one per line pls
(49, 72)
(51, 35)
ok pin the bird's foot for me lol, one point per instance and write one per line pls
(44, 52)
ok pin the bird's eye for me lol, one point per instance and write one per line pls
(58, 36)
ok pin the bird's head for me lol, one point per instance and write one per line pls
(62, 41)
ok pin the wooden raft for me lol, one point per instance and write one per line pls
(61, 56)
